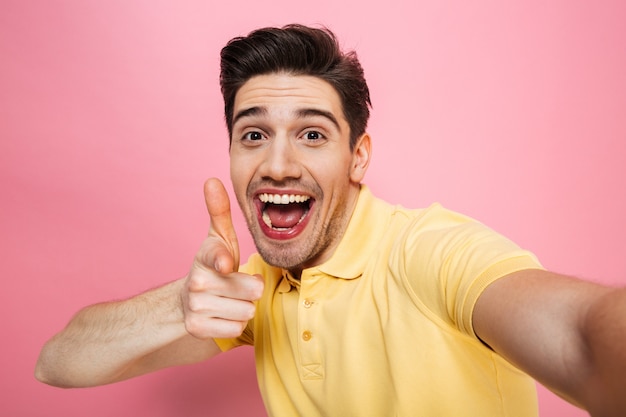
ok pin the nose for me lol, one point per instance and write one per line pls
(281, 160)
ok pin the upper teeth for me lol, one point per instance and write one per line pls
(283, 198)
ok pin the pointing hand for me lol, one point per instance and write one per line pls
(217, 300)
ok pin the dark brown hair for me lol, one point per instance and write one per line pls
(297, 50)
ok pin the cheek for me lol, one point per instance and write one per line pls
(331, 174)
(239, 163)
(330, 165)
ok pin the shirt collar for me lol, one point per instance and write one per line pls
(365, 229)
(367, 224)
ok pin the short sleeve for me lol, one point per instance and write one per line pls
(446, 260)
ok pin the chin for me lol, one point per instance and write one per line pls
(285, 256)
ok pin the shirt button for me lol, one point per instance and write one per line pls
(308, 303)
(306, 335)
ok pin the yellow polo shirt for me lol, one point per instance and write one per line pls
(384, 328)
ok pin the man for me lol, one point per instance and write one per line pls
(354, 306)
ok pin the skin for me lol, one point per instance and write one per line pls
(567, 333)
(290, 137)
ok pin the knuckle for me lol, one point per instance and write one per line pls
(196, 282)
(240, 328)
(247, 312)
(251, 312)
(233, 328)
(195, 326)
(203, 282)
(256, 290)
(194, 304)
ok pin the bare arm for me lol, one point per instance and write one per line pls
(172, 325)
(109, 342)
(568, 334)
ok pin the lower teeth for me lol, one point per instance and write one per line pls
(266, 219)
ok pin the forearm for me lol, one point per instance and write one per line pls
(605, 333)
(104, 342)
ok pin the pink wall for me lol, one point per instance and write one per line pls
(110, 120)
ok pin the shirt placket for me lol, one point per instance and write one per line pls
(309, 332)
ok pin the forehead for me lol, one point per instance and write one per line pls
(288, 92)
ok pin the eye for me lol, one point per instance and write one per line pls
(312, 135)
(253, 136)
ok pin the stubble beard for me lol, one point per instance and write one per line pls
(296, 256)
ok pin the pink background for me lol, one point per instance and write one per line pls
(110, 120)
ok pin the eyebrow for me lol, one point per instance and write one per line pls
(306, 112)
(316, 112)
(252, 111)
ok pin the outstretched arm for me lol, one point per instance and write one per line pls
(171, 325)
(109, 342)
(568, 334)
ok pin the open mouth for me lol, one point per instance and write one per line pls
(284, 213)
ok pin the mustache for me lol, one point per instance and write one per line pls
(308, 187)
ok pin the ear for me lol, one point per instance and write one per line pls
(361, 158)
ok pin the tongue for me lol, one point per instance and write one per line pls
(284, 216)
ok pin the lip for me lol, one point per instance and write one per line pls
(281, 234)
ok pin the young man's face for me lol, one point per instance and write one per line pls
(294, 175)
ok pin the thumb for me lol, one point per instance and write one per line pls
(218, 205)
